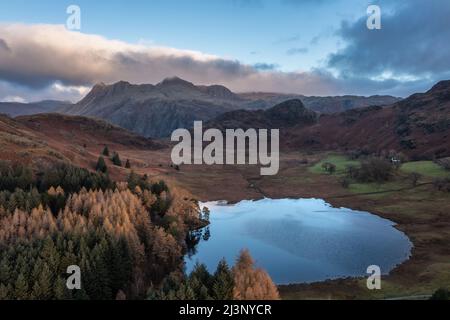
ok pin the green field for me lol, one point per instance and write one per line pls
(425, 168)
(376, 187)
(341, 162)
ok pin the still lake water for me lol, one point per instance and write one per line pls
(301, 240)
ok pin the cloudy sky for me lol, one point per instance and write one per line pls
(312, 47)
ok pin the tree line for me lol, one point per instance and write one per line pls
(128, 238)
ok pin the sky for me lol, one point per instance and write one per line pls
(311, 47)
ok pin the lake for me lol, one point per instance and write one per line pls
(301, 240)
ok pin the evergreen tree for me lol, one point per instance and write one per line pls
(116, 160)
(42, 288)
(223, 282)
(200, 281)
(4, 292)
(128, 164)
(101, 165)
(105, 151)
(5, 270)
(60, 290)
(21, 288)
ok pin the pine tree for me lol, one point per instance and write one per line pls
(60, 290)
(4, 292)
(223, 283)
(42, 289)
(128, 164)
(21, 288)
(200, 280)
(101, 165)
(5, 270)
(116, 160)
(105, 151)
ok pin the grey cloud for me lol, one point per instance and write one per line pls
(413, 41)
(74, 60)
(4, 46)
(266, 66)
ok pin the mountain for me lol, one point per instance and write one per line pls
(157, 110)
(419, 126)
(335, 104)
(14, 109)
(286, 114)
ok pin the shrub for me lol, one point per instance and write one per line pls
(414, 178)
(351, 171)
(374, 170)
(442, 184)
(444, 163)
(441, 294)
(329, 167)
(345, 182)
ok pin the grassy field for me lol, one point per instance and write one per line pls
(376, 187)
(341, 162)
(425, 168)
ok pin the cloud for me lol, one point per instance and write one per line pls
(412, 44)
(56, 91)
(294, 51)
(14, 99)
(4, 46)
(48, 61)
(265, 66)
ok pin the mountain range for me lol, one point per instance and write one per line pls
(157, 110)
(14, 109)
(418, 126)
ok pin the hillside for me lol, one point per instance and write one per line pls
(157, 110)
(14, 109)
(318, 104)
(418, 126)
(286, 114)
(43, 139)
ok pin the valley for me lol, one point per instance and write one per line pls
(420, 210)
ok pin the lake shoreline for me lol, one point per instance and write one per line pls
(421, 213)
(323, 216)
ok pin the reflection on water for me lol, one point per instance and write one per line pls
(302, 240)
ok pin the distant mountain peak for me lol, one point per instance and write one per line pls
(175, 81)
(100, 84)
(440, 86)
(292, 112)
(289, 105)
